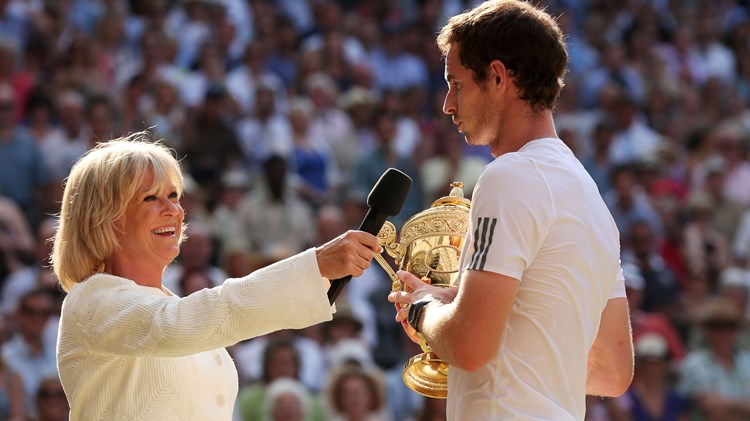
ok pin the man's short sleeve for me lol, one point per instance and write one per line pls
(511, 212)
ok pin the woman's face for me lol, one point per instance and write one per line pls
(152, 225)
(355, 396)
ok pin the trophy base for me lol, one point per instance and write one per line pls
(427, 375)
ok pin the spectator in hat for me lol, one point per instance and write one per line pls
(734, 286)
(717, 378)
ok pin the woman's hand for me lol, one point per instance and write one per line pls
(348, 254)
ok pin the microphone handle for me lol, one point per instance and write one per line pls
(372, 223)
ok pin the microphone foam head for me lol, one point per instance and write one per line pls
(389, 193)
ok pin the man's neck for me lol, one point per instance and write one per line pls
(521, 127)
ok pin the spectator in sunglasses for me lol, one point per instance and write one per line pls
(717, 377)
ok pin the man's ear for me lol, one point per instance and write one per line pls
(498, 74)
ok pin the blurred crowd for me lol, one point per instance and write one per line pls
(285, 113)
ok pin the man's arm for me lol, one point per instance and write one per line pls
(610, 366)
(477, 316)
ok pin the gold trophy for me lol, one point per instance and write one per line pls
(430, 246)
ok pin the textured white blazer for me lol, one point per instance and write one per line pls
(129, 352)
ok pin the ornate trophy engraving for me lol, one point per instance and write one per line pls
(430, 246)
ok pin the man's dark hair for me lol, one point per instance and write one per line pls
(526, 39)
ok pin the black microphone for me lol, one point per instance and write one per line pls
(385, 199)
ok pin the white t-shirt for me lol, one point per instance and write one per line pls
(537, 216)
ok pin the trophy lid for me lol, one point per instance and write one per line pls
(455, 197)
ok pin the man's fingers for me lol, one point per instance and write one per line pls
(409, 279)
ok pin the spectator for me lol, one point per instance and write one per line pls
(634, 139)
(264, 131)
(29, 352)
(70, 141)
(598, 163)
(652, 395)
(706, 250)
(395, 68)
(197, 254)
(370, 168)
(628, 202)
(23, 177)
(660, 286)
(359, 103)
(245, 80)
(167, 115)
(286, 225)
(449, 163)
(281, 360)
(211, 144)
(649, 322)
(15, 76)
(732, 143)
(12, 398)
(51, 404)
(356, 394)
(327, 122)
(224, 219)
(16, 240)
(287, 400)
(317, 176)
(37, 274)
(716, 378)
(723, 213)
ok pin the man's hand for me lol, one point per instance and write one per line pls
(348, 254)
(417, 289)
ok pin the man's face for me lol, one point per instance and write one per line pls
(470, 104)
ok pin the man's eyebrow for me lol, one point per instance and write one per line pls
(449, 77)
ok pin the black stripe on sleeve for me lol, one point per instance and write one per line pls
(489, 243)
(482, 242)
(477, 243)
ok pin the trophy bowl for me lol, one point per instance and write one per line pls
(429, 246)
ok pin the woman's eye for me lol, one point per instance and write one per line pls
(149, 198)
(174, 195)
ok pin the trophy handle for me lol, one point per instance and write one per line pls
(387, 238)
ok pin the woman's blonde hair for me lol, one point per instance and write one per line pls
(97, 192)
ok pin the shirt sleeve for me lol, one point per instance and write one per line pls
(511, 213)
(618, 290)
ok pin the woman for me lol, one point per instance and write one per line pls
(356, 394)
(129, 348)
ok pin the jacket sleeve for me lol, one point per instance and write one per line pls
(115, 315)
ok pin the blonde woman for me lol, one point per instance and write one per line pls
(130, 349)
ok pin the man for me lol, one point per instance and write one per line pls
(30, 352)
(540, 317)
